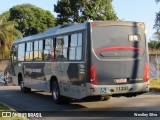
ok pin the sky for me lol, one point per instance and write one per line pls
(128, 10)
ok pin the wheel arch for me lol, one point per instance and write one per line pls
(52, 79)
(20, 78)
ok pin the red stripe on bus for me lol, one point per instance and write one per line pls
(119, 48)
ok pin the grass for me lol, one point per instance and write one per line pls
(6, 108)
(155, 85)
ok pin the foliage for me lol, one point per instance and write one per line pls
(153, 45)
(157, 20)
(99, 10)
(22, 20)
(8, 33)
(70, 11)
(157, 1)
(156, 36)
(31, 19)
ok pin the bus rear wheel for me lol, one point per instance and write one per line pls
(24, 89)
(56, 93)
(105, 98)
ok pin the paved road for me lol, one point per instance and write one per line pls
(41, 101)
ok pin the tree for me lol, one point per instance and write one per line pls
(8, 33)
(157, 20)
(99, 10)
(31, 19)
(153, 45)
(156, 36)
(157, 1)
(70, 11)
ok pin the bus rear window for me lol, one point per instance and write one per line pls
(118, 40)
(113, 36)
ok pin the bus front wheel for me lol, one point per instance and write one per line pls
(56, 93)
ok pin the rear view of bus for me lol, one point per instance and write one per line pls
(119, 59)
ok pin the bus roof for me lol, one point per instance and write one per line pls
(70, 28)
(53, 31)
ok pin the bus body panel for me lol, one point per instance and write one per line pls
(117, 59)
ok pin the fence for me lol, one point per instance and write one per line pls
(154, 61)
(3, 64)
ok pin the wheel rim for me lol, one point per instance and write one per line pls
(22, 85)
(55, 92)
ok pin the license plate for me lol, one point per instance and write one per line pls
(123, 88)
(121, 80)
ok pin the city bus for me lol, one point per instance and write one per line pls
(96, 59)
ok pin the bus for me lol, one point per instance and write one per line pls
(99, 59)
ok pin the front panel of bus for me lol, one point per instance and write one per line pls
(119, 58)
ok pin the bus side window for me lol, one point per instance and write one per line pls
(38, 47)
(61, 48)
(14, 54)
(21, 51)
(75, 50)
(29, 51)
(48, 49)
(79, 47)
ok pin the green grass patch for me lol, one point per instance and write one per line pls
(155, 85)
(6, 108)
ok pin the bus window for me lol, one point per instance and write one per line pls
(29, 52)
(38, 46)
(75, 50)
(61, 47)
(14, 54)
(21, 50)
(49, 49)
(79, 47)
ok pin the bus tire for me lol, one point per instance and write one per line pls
(24, 89)
(56, 93)
(105, 98)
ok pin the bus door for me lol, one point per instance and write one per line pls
(14, 55)
(14, 63)
(76, 68)
(38, 67)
